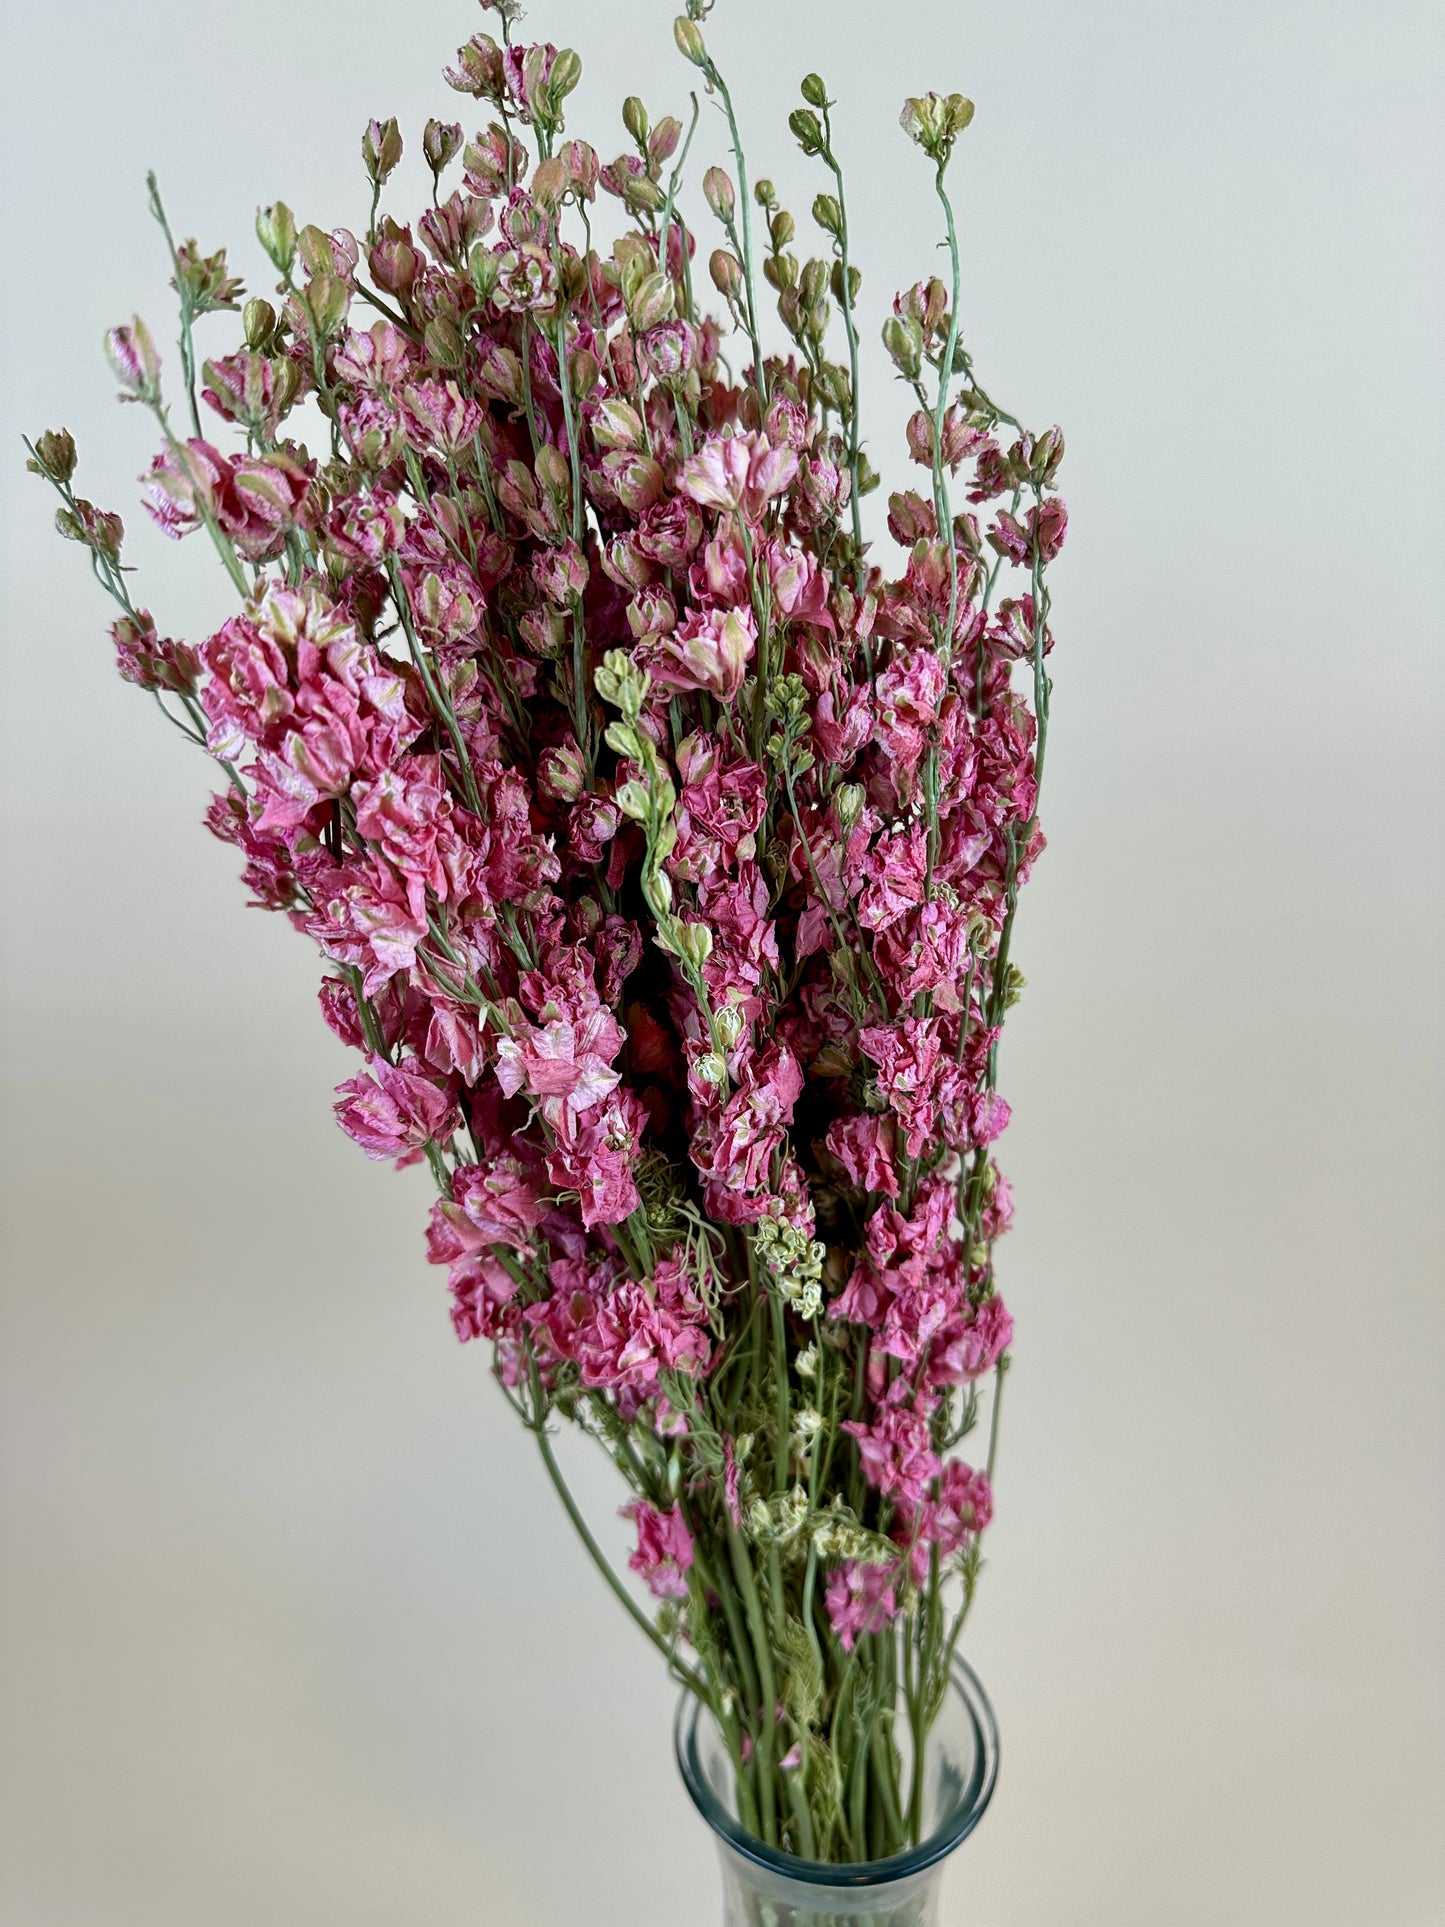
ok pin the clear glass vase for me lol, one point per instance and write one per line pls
(764, 1887)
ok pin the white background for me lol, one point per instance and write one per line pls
(293, 1631)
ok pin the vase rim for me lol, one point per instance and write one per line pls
(956, 1827)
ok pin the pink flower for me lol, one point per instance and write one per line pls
(559, 1065)
(379, 360)
(742, 473)
(361, 916)
(894, 869)
(710, 650)
(896, 1451)
(800, 589)
(864, 1147)
(927, 951)
(406, 811)
(394, 1113)
(1041, 534)
(153, 661)
(499, 1202)
(597, 1155)
(437, 415)
(910, 1068)
(962, 1509)
(719, 811)
(906, 705)
(620, 1334)
(483, 1306)
(971, 1342)
(664, 1548)
(735, 1151)
(860, 1599)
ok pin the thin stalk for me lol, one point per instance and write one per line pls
(440, 706)
(599, 1559)
(765, 1749)
(851, 331)
(188, 353)
(760, 381)
(999, 1373)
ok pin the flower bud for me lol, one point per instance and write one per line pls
(563, 78)
(442, 340)
(729, 1024)
(651, 303)
(54, 455)
(1048, 454)
(620, 682)
(828, 213)
(482, 271)
(813, 90)
(380, 149)
(689, 40)
(712, 1069)
(764, 193)
(806, 130)
(634, 118)
(657, 892)
(617, 424)
(583, 372)
(903, 338)
(855, 282)
(327, 299)
(394, 265)
(441, 142)
(717, 191)
(637, 479)
(633, 800)
(849, 799)
(276, 231)
(727, 274)
(583, 168)
(662, 141)
(694, 944)
(782, 228)
(258, 321)
(549, 184)
(133, 356)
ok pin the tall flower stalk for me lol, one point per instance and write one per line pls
(664, 849)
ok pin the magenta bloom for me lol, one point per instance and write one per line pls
(741, 473)
(494, 1203)
(394, 1113)
(896, 1452)
(565, 1062)
(664, 1548)
(710, 650)
(860, 1599)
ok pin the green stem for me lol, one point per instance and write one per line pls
(999, 1374)
(760, 381)
(599, 1559)
(766, 1747)
(851, 331)
(188, 353)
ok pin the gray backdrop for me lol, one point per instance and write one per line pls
(293, 1630)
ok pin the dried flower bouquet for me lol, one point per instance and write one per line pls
(663, 848)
